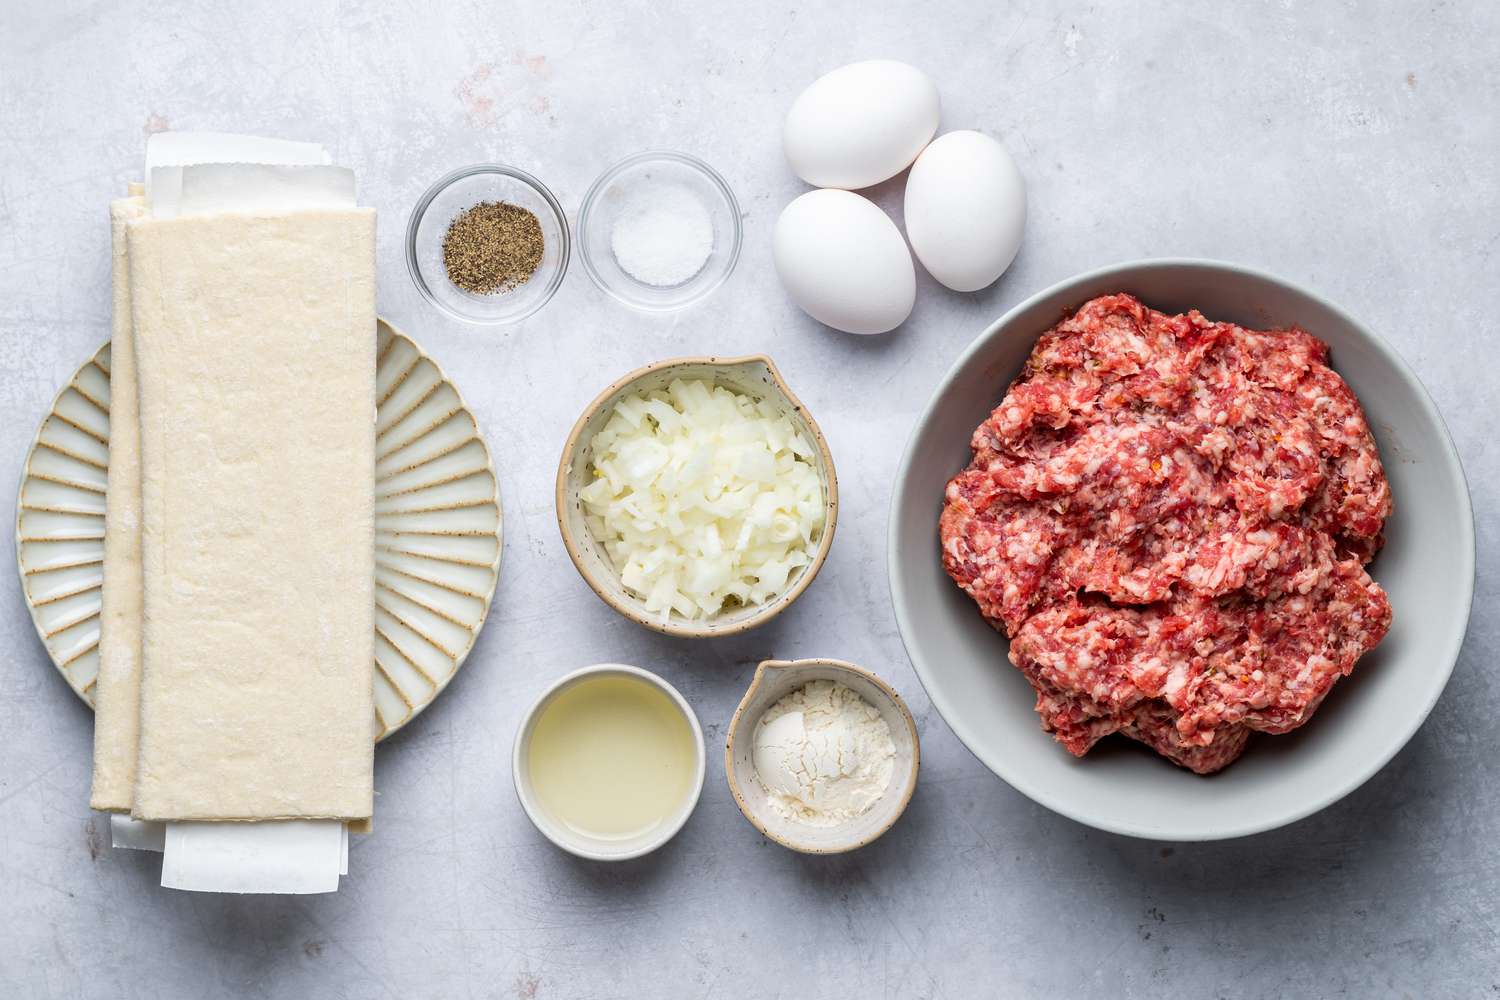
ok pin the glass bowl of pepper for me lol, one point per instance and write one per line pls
(487, 244)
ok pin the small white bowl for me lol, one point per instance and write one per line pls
(581, 845)
(774, 680)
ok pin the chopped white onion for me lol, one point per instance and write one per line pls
(703, 497)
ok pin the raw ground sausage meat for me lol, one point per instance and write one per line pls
(1170, 518)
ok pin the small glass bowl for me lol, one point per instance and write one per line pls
(460, 190)
(614, 191)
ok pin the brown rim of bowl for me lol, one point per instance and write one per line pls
(734, 724)
(705, 628)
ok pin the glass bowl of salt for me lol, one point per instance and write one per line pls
(659, 230)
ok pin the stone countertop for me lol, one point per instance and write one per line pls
(1351, 147)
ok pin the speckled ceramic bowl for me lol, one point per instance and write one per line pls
(755, 376)
(774, 680)
(1427, 568)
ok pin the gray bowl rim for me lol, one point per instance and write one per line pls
(1446, 659)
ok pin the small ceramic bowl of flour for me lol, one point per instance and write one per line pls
(822, 756)
(659, 230)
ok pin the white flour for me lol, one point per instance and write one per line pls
(663, 236)
(823, 754)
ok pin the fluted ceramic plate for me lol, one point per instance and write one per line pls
(437, 528)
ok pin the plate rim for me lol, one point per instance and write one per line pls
(489, 597)
(36, 440)
(1447, 658)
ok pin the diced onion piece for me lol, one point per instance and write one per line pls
(703, 496)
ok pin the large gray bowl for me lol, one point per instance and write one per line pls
(1427, 567)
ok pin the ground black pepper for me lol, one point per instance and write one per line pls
(493, 246)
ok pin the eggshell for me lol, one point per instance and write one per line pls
(860, 124)
(965, 210)
(843, 261)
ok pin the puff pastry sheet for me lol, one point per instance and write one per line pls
(117, 694)
(255, 358)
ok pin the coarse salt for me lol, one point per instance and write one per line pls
(663, 236)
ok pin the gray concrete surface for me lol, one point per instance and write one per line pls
(1349, 146)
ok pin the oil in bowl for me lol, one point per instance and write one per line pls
(611, 757)
(609, 762)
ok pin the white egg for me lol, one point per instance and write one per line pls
(860, 124)
(965, 210)
(843, 261)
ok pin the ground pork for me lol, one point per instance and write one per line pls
(1170, 518)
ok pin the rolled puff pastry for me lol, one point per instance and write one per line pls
(117, 693)
(255, 350)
